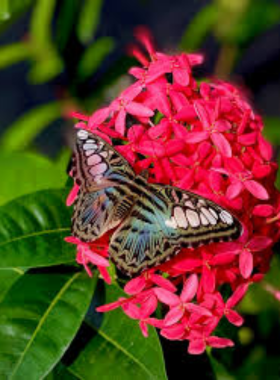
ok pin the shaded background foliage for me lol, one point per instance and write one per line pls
(59, 56)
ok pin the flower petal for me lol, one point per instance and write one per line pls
(256, 189)
(234, 318)
(190, 288)
(167, 297)
(196, 347)
(222, 144)
(246, 263)
(136, 285)
(217, 342)
(138, 109)
(174, 315)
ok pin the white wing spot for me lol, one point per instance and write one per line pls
(204, 220)
(171, 223)
(89, 152)
(190, 205)
(180, 217)
(98, 169)
(185, 196)
(174, 195)
(90, 146)
(82, 134)
(193, 218)
(209, 216)
(104, 154)
(94, 160)
(89, 141)
(226, 217)
(201, 202)
(213, 212)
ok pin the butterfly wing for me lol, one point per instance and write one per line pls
(96, 164)
(163, 222)
(104, 176)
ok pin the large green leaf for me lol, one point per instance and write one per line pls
(89, 19)
(24, 173)
(119, 351)
(23, 131)
(38, 320)
(7, 278)
(32, 229)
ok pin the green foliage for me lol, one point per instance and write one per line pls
(4, 10)
(10, 9)
(14, 53)
(37, 329)
(114, 352)
(94, 56)
(7, 278)
(198, 29)
(89, 20)
(28, 172)
(23, 131)
(32, 229)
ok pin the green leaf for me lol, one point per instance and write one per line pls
(38, 320)
(219, 369)
(32, 229)
(11, 9)
(199, 28)
(42, 15)
(66, 21)
(23, 131)
(89, 20)
(27, 172)
(272, 129)
(13, 53)
(7, 278)
(47, 63)
(93, 56)
(4, 10)
(119, 351)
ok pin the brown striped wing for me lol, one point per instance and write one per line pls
(163, 222)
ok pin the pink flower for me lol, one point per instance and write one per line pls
(180, 304)
(242, 179)
(203, 137)
(86, 255)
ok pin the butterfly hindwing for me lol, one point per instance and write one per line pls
(143, 240)
(97, 212)
(165, 221)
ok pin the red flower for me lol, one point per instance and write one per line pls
(206, 138)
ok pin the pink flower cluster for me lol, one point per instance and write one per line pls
(207, 139)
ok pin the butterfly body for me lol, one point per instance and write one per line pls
(153, 222)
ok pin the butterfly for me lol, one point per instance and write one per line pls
(151, 222)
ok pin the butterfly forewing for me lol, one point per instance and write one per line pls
(104, 198)
(96, 164)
